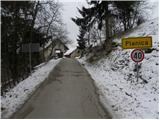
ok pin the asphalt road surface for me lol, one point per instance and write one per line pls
(68, 92)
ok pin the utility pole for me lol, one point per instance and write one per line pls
(30, 58)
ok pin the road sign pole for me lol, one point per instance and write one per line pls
(137, 55)
(137, 71)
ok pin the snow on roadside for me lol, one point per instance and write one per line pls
(17, 96)
(115, 78)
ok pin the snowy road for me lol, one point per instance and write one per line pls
(67, 93)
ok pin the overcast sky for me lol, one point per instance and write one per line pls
(69, 11)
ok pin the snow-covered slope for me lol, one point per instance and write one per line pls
(115, 78)
(149, 9)
(17, 96)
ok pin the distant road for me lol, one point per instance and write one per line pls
(67, 93)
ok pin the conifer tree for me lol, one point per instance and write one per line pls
(97, 13)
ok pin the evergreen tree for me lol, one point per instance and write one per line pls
(83, 27)
(99, 12)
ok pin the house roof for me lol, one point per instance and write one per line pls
(57, 40)
(69, 51)
(50, 42)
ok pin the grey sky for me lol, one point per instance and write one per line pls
(69, 11)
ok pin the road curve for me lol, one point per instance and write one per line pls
(68, 92)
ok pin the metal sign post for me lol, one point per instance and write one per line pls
(137, 55)
(137, 70)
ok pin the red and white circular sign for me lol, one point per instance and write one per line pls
(137, 55)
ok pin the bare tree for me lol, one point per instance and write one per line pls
(49, 21)
(48, 16)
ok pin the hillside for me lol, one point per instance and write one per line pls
(115, 78)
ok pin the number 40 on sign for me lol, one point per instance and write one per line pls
(137, 55)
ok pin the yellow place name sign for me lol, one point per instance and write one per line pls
(136, 42)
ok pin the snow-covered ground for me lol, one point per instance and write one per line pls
(17, 96)
(115, 78)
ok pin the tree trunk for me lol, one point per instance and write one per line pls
(44, 59)
(53, 45)
(31, 32)
(14, 48)
(108, 42)
(47, 32)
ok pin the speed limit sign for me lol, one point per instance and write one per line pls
(137, 55)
